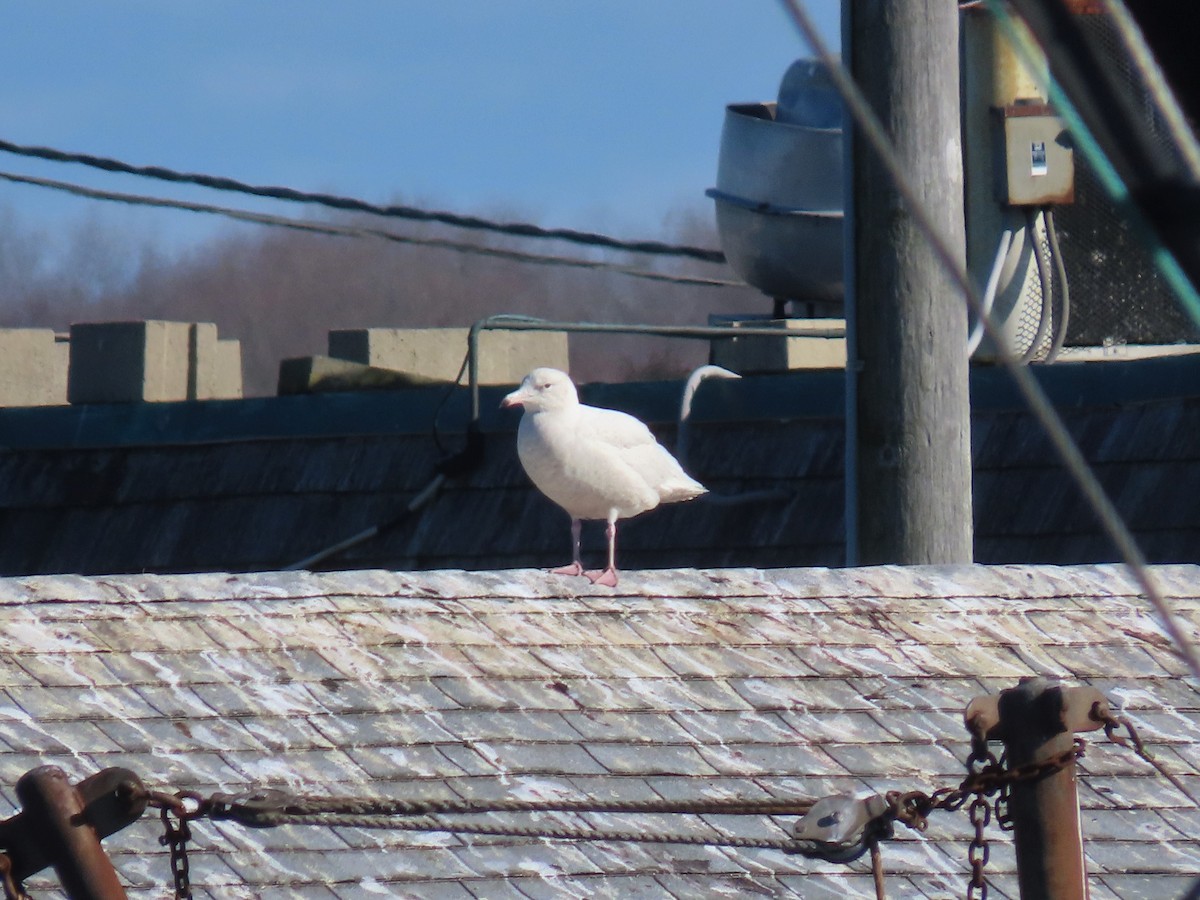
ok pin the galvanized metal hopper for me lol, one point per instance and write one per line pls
(779, 191)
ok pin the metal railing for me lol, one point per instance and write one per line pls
(511, 322)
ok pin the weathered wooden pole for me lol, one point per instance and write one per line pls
(914, 467)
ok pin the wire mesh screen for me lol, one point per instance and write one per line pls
(1117, 296)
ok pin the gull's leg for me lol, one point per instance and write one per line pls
(609, 575)
(576, 567)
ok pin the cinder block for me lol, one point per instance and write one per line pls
(516, 353)
(227, 385)
(128, 362)
(33, 368)
(214, 365)
(795, 348)
(152, 361)
(505, 357)
(312, 374)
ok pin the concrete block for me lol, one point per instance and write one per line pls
(228, 381)
(33, 368)
(214, 365)
(152, 361)
(515, 353)
(128, 362)
(795, 348)
(505, 357)
(314, 374)
(202, 352)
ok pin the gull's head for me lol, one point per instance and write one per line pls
(542, 390)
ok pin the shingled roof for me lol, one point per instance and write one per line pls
(263, 484)
(788, 683)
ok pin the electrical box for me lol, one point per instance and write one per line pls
(1035, 165)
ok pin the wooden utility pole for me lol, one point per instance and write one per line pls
(914, 466)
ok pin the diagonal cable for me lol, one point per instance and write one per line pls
(1035, 398)
(1142, 58)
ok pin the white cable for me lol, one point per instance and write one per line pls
(989, 293)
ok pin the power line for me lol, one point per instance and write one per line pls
(350, 204)
(329, 228)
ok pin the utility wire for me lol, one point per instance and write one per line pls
(872, 130)
(350, 204)
(329, 228)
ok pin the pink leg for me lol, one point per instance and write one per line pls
(608, 576)
(576, 567)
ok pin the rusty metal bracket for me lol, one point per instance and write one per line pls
(62, 825)
(1037, 722)
(1074, 714)
(842, 828)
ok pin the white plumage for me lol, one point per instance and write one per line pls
(594, 463)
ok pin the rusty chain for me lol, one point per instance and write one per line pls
(1003, 817)
(176, 837)
(913, 807)
(984, 770)
(979, 851)
(183, 806)
(986, 776)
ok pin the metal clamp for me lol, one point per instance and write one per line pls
(247, 807)
(842, 828)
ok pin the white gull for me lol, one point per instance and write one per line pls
(594, 463)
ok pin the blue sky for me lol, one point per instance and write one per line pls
(602, 115)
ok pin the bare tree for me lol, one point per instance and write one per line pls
(280, 291)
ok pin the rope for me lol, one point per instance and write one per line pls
(350, 204)
(359, 232)
(784, 845)
(868, 820)
(269, 800)
(268, 808)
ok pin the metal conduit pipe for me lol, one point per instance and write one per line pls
(989, 293)
(685, 407)
(510, 322)
(681, 442)
(1064, 293)
(1047, 283)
